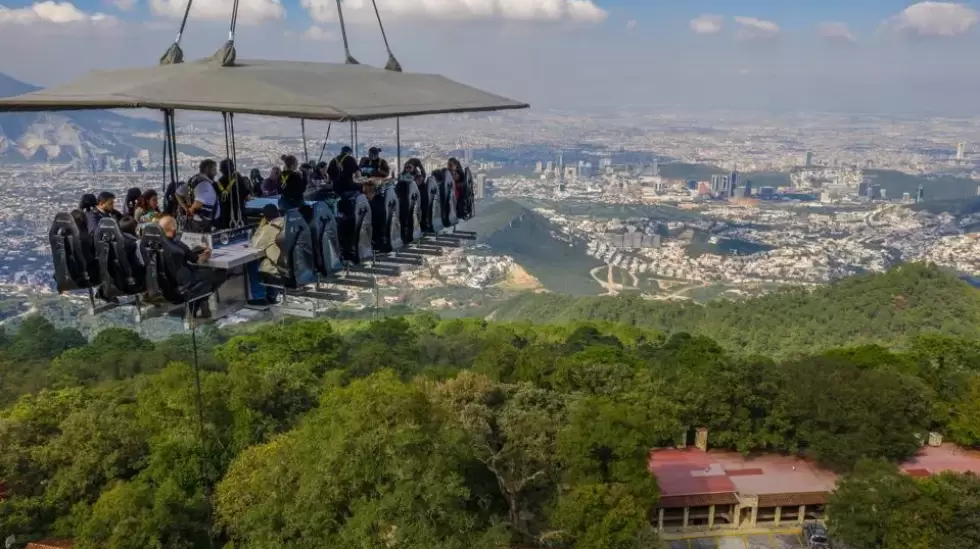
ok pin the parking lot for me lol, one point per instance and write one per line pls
(734, 541)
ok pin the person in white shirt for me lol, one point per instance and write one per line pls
(205, 210)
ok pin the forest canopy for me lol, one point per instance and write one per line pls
(421, 432)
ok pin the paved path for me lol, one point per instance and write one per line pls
(741, 541)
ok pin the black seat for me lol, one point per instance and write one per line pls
(161, 276)
(386, 230)
(447, 197)
(73, 256)
(431, 220)
(354, 227)
(120, 270)
(326, 243)
(410, 209)
(297, 262)
(467, 196)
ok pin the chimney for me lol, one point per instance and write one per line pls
(701, 439)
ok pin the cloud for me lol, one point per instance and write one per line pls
(942, 19)
(249, 11)
(124, 5)
(318, 34)
(707, 24)
(631, 24)
(836, 31)
(753, 28)
(61, 13)
(585, 11)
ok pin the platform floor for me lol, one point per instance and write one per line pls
(741, 541)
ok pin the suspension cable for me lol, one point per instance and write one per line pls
(393, 64)
(166, 149)
(343, 32)
(174, 54)
(306, 151)
(324, 147)
(188, 311)
(183, 22)
(237, 204)
(234, 21)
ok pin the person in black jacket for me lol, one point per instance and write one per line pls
(188, 266)
(105, 207)
(234, 190)
(342, 170)
(293, 184)
(374, 165)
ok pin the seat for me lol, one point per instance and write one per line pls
(326, 243)
(161, 276)
(431, 207)
(355, 228)
(467, 196)
(296, 243)
(386, 230)
(410, 210)
(447, 198)
(75, 267)
(120, 271)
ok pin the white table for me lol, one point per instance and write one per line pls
(235, 255)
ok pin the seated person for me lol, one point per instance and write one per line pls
(293, 184)
(233, 192)
(105, 206)
(147, 207)
(271, 185)
(456, 171)
(342, 170)
(373, 165)
(129, 205)
(128, 226)
(87, 203)
(265, 239)
(193, 279)
(255, 178)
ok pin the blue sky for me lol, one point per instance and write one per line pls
(883, 55)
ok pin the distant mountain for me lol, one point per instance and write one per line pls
(61, 137)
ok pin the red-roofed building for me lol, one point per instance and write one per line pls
(706, 490)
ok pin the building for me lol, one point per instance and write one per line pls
(920, 194)
(732, 183)
(720, 490)
(808, 159)
(539, 167)
(481, 184)
(960, 151)
(767, 193)
(719, 184)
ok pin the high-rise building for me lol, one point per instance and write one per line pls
(719, 184)
(732, 183)
(920, 194)
(549, 168)
(808, 159)
(748, 188)
(481, 183)
(884, 194)
(605, 163)
(960, 151)
(539, 167)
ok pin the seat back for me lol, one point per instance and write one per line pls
(432, 205)
(410, 210)
(296, 243)
(119, 274)
(467, 196)
(161, 276)
(71, 252)
(326, 243)
(387, 233)
(447, 197)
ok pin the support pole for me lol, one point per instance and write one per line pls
(306, 152)
(352, 138)
(357, 140)
(398, 142)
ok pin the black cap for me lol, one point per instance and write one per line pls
(346, 149)
(270, 212)
(373, 150)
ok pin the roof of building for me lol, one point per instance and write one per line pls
(51, 544)
(690, 477)
(291, 89)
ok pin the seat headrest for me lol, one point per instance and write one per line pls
(153, 233)
(108, 230)
(64, 223)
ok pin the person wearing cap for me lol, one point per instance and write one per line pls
(264, 239)
(373, 165)
(342, 170)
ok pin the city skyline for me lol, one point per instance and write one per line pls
(883, 56)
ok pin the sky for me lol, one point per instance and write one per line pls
(881, 56)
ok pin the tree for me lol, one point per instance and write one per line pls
(511, 430)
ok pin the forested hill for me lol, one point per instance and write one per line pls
(889, 309)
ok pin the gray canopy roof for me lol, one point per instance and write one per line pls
(319, 91)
